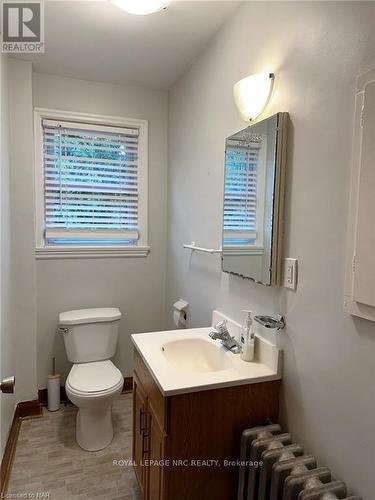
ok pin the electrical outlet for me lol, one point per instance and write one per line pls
(290, 273)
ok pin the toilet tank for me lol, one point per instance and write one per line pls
(90, 334)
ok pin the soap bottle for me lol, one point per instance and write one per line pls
(247, 338)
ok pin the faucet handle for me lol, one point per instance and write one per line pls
(221, 326)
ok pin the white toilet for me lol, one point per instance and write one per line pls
(90, 337)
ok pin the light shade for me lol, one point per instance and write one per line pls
(251, 94)
(141, 7)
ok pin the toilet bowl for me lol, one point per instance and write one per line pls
(92, 387)
(90, 338)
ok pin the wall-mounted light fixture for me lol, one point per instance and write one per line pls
(252, 93)
(141, 7)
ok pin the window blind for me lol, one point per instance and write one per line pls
(240, 192)
(90, 183)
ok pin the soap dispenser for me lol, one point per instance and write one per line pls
(247, 337)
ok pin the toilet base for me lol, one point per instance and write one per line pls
(94, 428)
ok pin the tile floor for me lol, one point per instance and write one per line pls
(48, 460)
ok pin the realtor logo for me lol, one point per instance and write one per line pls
(22, 26)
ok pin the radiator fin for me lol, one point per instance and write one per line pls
(286, 473)
(248, 436)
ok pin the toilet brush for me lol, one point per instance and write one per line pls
(53, 388)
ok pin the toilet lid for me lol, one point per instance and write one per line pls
(94, 377)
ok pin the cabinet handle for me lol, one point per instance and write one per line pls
(144, 451)
(142, 425)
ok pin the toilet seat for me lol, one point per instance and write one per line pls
(96, 378)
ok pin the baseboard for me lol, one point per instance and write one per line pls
(27, 409)
(43, 394)
(23, 410)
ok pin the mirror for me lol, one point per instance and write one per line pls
(253, 200)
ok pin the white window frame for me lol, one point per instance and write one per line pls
(43, 251)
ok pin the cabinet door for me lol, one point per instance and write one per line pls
(139, 429)
(156, 456)
(364, 268)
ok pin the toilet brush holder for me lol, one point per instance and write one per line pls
(53, 390)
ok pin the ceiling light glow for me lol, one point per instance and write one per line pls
(141, 7)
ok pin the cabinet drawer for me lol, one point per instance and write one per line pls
(154, 395)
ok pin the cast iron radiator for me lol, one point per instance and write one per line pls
(287, 473)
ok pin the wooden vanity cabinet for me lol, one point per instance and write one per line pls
(172, 434)
(156, 455)
(139, 430)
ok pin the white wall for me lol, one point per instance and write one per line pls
(136, 285)
(23, 295)
(7, 401)
(316, 50)
(18, 292)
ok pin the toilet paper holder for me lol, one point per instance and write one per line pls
(180, 313)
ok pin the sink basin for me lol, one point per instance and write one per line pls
(188, 360)
(195, 355)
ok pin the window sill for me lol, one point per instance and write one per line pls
(90, 253)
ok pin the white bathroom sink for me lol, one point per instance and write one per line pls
(184, 361)
(195, 355)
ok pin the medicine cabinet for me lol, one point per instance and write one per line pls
(253, 200)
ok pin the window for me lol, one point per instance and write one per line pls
(91, 185)
(244, 192)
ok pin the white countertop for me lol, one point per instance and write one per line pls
(172, 380)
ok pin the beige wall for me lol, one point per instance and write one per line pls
(18, 279)
(316, 50)
(23, 277)
(6, 351)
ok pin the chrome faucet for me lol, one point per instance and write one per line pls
(221, 333)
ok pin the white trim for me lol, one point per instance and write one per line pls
(94, 252)
(56, 114)
(56, 251)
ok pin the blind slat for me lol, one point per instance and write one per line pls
(110, 161)
(119, 198)
(53, 207)
(53, 170)
(91, 235)
(65, 146)
(79, 187)
(57, 135)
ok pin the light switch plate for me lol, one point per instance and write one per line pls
(290, 273)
